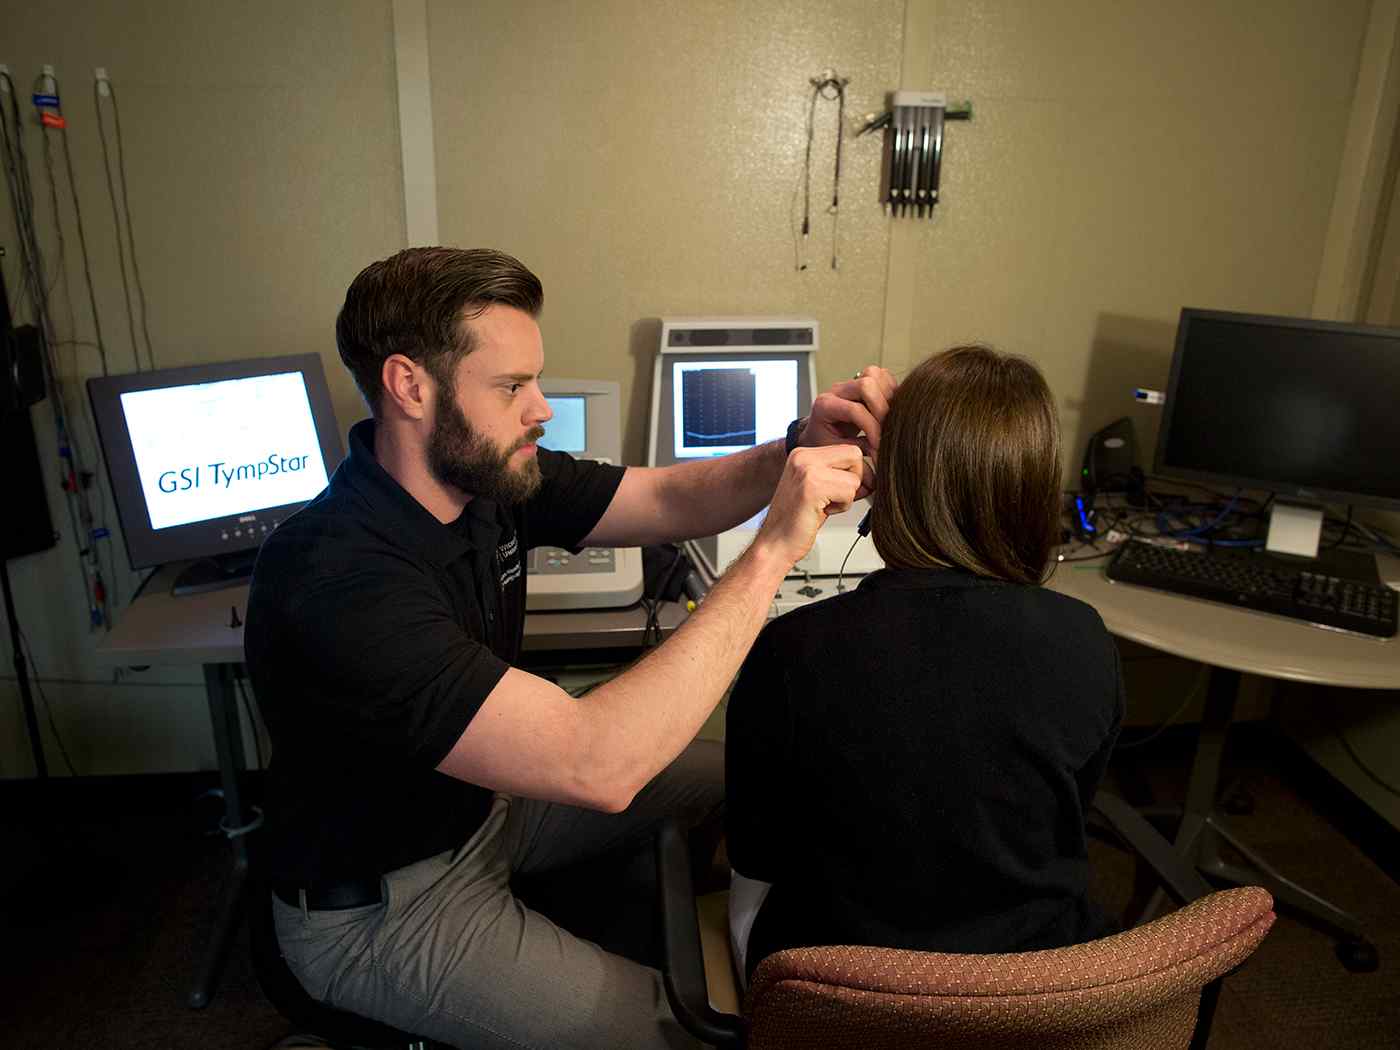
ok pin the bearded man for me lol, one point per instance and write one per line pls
(417, 771)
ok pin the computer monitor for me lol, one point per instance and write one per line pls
(1303, 408)
(587, 419)
(205, 461)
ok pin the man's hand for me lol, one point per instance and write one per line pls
(850, 413)
(816, 483)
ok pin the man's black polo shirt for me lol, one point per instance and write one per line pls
(374, 633)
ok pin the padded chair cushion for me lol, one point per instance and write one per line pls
(1134, 989)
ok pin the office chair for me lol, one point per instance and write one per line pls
(1152, 986)
(337, 1028)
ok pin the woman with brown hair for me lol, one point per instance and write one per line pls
(909, 763)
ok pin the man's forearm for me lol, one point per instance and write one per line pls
(645, 716)
(706, 497)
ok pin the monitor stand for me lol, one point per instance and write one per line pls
(215, 573)
(1295, 534)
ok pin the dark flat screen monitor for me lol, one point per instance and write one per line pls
(1306, 409)
(205, 461)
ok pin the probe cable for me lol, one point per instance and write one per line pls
(61, 125)
(833, 89)
(103, 86)
(18, 182)
(862, 529)
(94, 529)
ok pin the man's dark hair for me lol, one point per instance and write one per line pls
(416, 303)
(969, 468)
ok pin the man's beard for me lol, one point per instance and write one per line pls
(460, 457)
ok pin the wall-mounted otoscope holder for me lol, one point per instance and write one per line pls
(914, 149)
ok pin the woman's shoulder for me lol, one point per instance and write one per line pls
(1051, 614)
(894, 603)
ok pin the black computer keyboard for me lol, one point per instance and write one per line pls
(1266, 585)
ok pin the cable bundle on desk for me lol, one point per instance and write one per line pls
(667, 576)
(1229, 520)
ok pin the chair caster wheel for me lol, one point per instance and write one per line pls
(1239, 803)
(1359, 956)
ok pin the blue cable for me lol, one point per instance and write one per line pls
(1201, 530)
(1163, 525)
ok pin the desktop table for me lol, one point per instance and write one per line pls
(207, 629)
(1233, 642)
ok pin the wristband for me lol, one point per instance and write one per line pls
(794, 434)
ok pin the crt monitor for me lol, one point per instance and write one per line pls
(1303, 408)
(205, 461)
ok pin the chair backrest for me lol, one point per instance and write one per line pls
(1137, 989)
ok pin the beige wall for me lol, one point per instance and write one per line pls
(262, 152)
(1126, 159)
(643, 158)
(1130, 159)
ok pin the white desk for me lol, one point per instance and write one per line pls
(1235, 641)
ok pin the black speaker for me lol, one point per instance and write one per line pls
(24, 369)
(1110, 462)
(21, 370)
(26, 525)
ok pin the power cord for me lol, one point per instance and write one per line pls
(48, 707)
(252, 719)
(1202, 676)
(651, 632)
(1375, 777)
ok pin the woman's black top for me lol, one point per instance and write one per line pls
(910, 763)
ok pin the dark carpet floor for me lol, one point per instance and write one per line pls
(108, 890)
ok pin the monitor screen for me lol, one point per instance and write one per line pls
(207, 460)
(568, 430)
(212, 450)
(726, 405)
(1304, 408)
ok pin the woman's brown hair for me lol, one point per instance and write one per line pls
(969, 468)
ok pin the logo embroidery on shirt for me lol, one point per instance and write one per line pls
(510, 569)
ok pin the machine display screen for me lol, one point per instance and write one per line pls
(212, 450)
(568, 430)
(724, 406)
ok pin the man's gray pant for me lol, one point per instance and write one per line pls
(450, 954)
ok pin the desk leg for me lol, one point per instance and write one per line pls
(1222, 692)
(228, 743)
(1192, 839)
(1203, 828)
(1260, 873)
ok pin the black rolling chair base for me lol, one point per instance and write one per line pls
(1359, 956)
